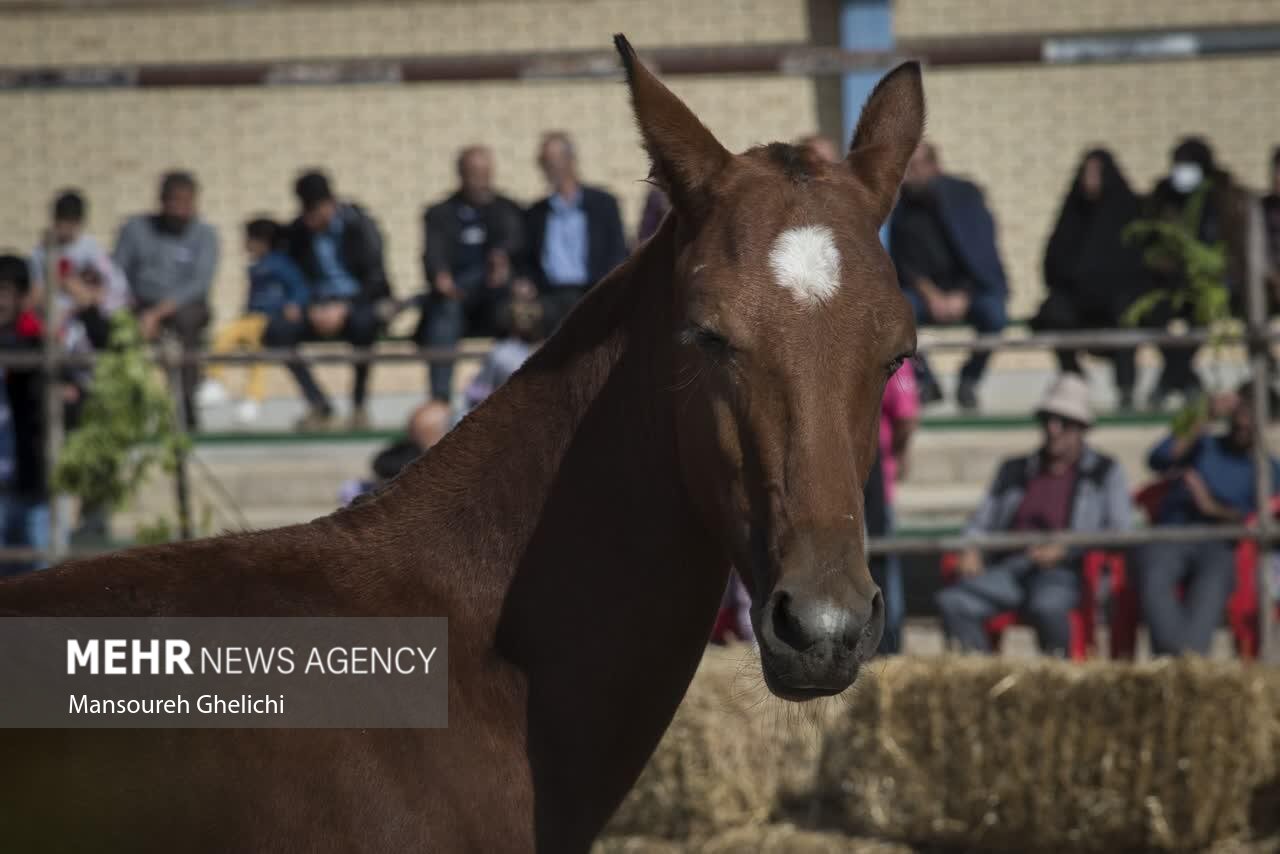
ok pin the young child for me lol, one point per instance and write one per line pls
(24, 501)
(523, 321)
(276, 289)
(91, 287)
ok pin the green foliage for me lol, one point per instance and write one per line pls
(126, 429)
(1173, 247)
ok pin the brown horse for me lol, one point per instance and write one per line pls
(712, 402)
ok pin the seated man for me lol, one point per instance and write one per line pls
(169, 260)
(471, 239)
(573, 237)
(338, 247)
(1183, 587)
(1065, 485)
(942, 239)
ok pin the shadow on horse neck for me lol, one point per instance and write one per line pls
(601, 582)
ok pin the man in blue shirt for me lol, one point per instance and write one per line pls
(1211, 481)
(338, 247)
(574, 236)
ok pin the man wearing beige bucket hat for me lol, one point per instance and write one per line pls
(1063, 485)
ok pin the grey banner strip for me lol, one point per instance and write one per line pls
(224, 673)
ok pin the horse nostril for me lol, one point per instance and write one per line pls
(855, 630)
(787, 625)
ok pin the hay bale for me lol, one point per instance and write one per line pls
(787, 839)
(1019, 755)
(635, 845)
(731, 751)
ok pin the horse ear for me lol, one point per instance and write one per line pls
(683, 154)
(889, 129)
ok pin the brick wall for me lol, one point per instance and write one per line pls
(1019, 131)
(390, 147)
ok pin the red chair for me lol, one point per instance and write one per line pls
(1081, 619)
(1124, 596)
(1242, 607)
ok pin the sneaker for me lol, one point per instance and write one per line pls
(967, 396)
(315, 421)
(358, 420)
(929, 392)
(248, 411)
(211, 393)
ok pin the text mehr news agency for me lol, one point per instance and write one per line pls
(173, 657)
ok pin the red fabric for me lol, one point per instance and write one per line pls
(1242, 607)
(28, 325)
(1046, 506)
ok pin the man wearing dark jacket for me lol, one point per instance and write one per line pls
(471, 239)
(338, 247)
(574, 236)
(942, 239)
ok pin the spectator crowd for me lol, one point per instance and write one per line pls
(492, 267)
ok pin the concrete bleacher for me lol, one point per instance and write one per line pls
(275, 476)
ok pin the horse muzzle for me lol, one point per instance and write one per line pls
(812, 642)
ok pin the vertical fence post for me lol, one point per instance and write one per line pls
(52, 282)
(174, 355)
(1259, 363)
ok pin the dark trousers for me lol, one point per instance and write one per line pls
(1183, 589)
(986, 315)
(187, 324)
(557, 301)
(1044, 597)
(1178, 372)
(1061, 313)
(446, 321)
(360, 331)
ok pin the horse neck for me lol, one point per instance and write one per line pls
(574, 542)
(563, 489)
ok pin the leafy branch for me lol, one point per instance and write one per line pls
(1172, 247)
(127, 429)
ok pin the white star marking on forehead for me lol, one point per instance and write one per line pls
(806, 262)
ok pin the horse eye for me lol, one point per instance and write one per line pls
(709, 341)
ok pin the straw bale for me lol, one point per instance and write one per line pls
(1042, 755)
(788, 839)
(635, 845)
(731, 751)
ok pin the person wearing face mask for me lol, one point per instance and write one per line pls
(1091, 271)
(1198, 193)
(169, 259)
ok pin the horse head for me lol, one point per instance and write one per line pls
(788, 323)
